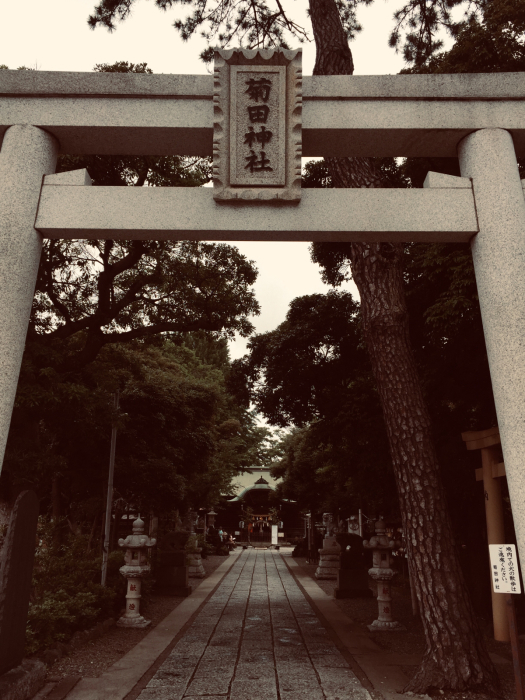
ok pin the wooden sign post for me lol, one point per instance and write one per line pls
(487, 441)
(505, 583)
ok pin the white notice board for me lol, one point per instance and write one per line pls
(275, 529)
(504, 568)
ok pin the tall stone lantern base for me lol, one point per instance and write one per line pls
(195, 566)
(329, 559)
(385, 621)
(132, 616)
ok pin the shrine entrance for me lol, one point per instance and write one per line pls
(254, 511)
(480, 118)
(261, 530)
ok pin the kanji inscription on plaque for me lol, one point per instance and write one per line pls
(257, 134)
(258, 125)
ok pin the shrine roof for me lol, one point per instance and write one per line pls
(260, 485)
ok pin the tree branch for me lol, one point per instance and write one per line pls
(97, 339)
(61, 308)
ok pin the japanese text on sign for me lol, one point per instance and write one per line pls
(258, 90)
(258, 126)
(504, 568)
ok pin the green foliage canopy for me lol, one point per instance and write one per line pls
(181, 437)
(336, 456)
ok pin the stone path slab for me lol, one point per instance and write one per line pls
(257, 638)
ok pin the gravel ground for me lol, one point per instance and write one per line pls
(364, 610)
(95, 657)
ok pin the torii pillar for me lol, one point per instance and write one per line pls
(27, 154)
(488, 157)
(487, 441)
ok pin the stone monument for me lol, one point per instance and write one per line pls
(135, 568)
(257, 125)
(382, 573)
(172, 573)
(15, 579)
(352, 575)
(330, 553)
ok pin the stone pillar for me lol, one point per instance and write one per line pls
(28, 153)
(132, 616)
(498, 250)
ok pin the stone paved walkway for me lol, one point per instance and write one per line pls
(257, 638)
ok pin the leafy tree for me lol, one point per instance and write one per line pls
(321, 333)
(442, 296)
(181, 438)
(324, 470)
(104, 292)
(491, 40)
(338, 459)
(455, 656)
(264, 23)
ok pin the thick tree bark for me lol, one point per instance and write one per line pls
(455, 657)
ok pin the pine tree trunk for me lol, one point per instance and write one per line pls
(455, 657)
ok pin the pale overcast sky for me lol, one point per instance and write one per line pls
(52, 35)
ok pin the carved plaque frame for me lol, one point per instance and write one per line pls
(233, 177)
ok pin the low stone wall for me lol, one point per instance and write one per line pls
(22, 682)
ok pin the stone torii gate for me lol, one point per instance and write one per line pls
(481, 118)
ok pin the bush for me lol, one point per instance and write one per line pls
(67, 595)
(60, 614)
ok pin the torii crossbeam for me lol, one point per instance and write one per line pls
(481, 118)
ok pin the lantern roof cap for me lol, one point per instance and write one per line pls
(138, 525)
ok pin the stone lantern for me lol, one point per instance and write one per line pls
(383, 574)
(195, 566)
(330, 554)
(136, 566)
(190, 521)
(211, 518)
